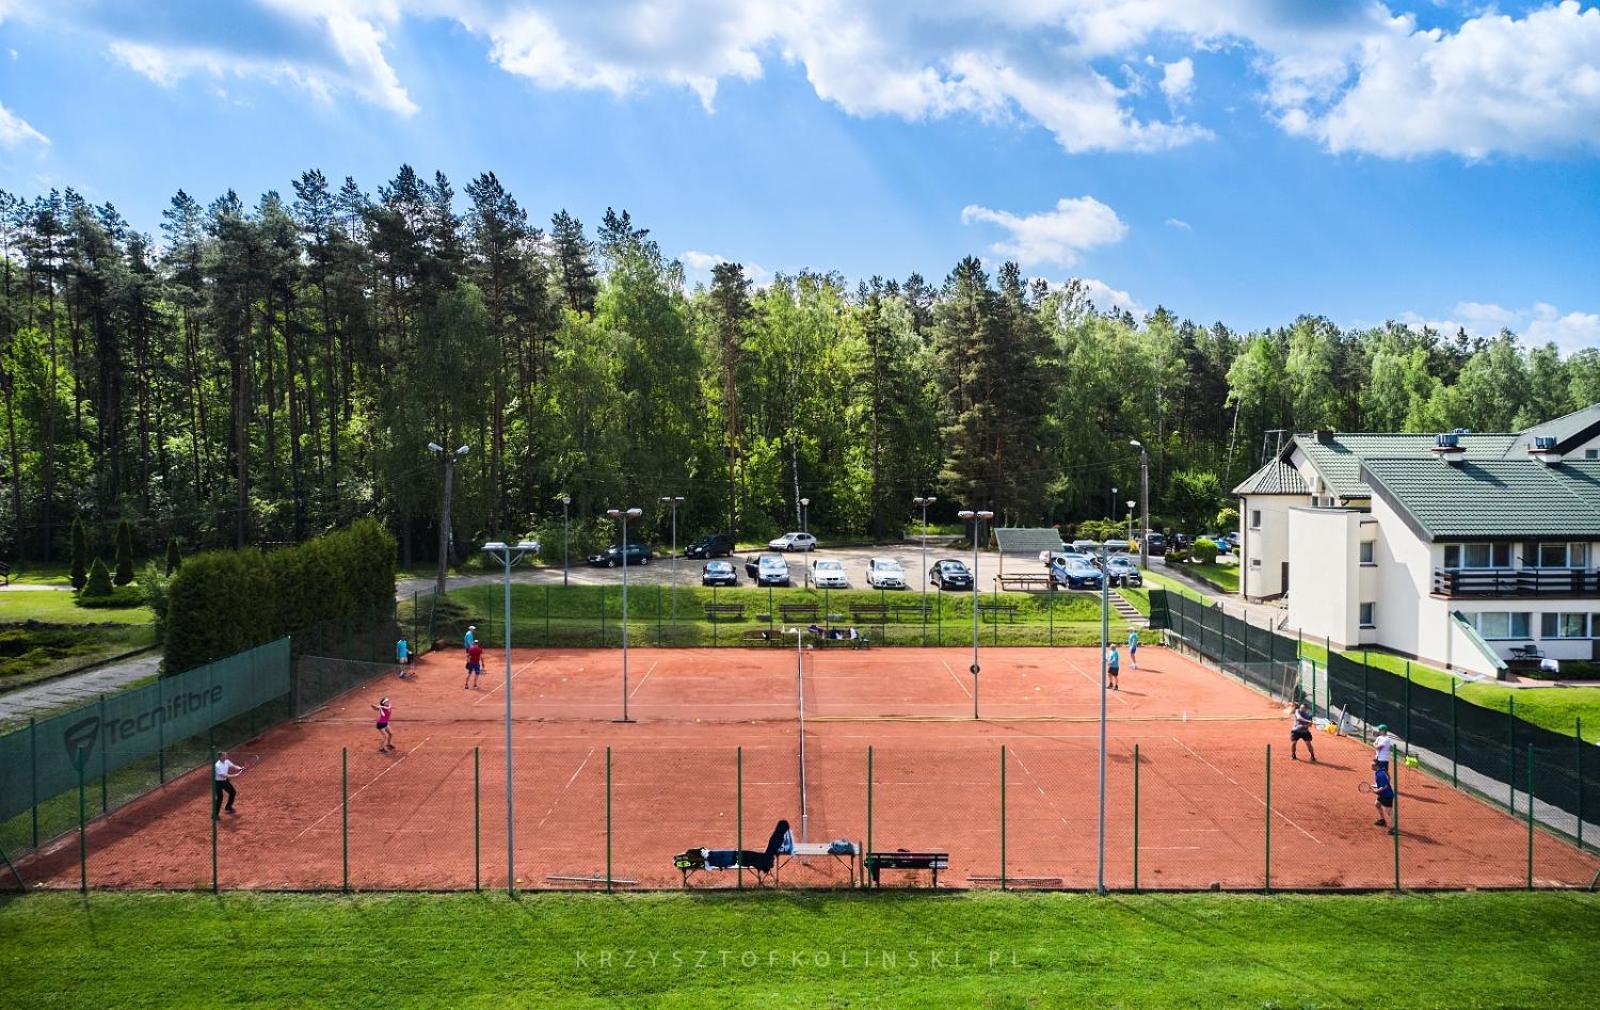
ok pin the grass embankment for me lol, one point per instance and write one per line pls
(591, 615)
(1222, 576)
(793, 949)
(44, 633)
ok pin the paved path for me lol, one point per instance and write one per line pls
(53, 695)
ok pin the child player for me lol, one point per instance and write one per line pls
(1301, 731)
(1382, 794)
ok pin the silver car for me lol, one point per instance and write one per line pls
(828, 573)
(885, 573)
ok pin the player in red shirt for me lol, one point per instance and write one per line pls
(474, 665)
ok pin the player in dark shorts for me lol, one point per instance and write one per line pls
(1113, 665)
(474, 665)
(385, 710)
(1301, 731)
(1382, 794)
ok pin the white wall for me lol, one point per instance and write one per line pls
(1409, 619)
(1324, 583)
(1266, 549)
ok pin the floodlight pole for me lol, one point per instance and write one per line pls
(1105, 634)
(624, 515)
(1144, 499)
(673, 502)
(509, 556)
(924, 503)
(444, 513)
(566, 534)
(977, 518)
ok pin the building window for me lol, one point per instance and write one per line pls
(1566, 625)
(1477, 555)
(1563, 555)
(1367, 618)
(1255, 562)
(1366, 552)
(1500, 624)
(1255, 519)
(1591, 454)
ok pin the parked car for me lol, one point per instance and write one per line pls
(1045, 557)
(1156, 543)
(1090, 547)
(794, 542)
(1224, 542)
(714, 545)
(1180, 541)
(1051, 557)
(767, 570)
(828, 573)
(719, 573)
(1122, 571)
(949, 574)
(611, 557)
(885, 573)
(1118, 546)
(1075, 574)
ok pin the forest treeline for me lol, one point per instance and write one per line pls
(260, 373)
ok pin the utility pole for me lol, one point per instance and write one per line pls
(444, 512)
(1144, 499)
(674, 501)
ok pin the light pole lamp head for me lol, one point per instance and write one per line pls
(985, 514)
(805, 501)
(495, 547)
(634, 513)
(566, 499)
(922, 502)
(435, 447)
(966, 514)
(1136, 443)
(1131, 504)
(528, 546)
(462, 451)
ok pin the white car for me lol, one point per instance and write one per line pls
(1068, 554)
(885, 573)
(828, 573)
(794, 542)
(1047, 557)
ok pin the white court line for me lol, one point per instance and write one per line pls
(959, 682)
(514, 674)
(363, 789)
(1291, 821)
(1031, 778)
(553, 803)
(646, 677)
(1094, 678)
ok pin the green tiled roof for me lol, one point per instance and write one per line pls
(1339, 459)
(1277, 477)
(1578, 426)
(1490, 498)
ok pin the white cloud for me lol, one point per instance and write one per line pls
(1541, 324)
(698, 265)
(1060, 235)
(1571, 331)
(1178, 223)
(1177, 80)
(16, 131)
(1106, 298)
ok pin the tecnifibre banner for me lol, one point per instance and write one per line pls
(39, 763)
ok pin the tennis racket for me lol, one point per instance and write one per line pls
(246, 762)
(1365, 787)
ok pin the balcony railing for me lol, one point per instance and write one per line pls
(1516, 582)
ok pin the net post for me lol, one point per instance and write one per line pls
(216, 801)
(1511, 746)
(1136, 818)
(344, 813)
(83, 839)
(1002, 817)
(33, 773)
(105, 806)
(1577, 767)
(1454, 738)
(608, 820)
(1408, 708)
(869, 808)
(1395, 785)
(738, 778)
(1267, 876)
(1530, 817)
(477, 834)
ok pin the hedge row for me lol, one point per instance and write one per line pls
(222, 602)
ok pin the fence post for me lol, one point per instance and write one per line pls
(1002, 817)
(1454, 742)
(1530, 816)
(1050, 608)
(216, 801)
(738, 765)
(869, 807)
(1395, 785)
(1365, 670)
(658, 613)
(608, 820)
(1136, 818)
(344, 813)
(1268, 875)
(603, 614)
(1577, 767)
(161, 740)
(1511, 745)
(33, 773)
(477, 837)
(83, 840)
(1408, 708)
(105, 807)
(547, 615)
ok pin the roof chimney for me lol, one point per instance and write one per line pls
(1324, 435)
(1543, 448)
(1448, 447)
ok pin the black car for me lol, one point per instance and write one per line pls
(611, 557)
(1156, 543)
(715, 545)
(950, 574)
(1123, 571)
(719, 573)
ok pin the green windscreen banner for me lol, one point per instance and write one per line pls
(39, 762)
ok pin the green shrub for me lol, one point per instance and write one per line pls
(99, 581)
(1204, 551)
(118, 598)
(174, 559)
(1227, 518)
(124, 572)
(153, 586)
(80, 554)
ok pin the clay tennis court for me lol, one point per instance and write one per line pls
(426, 817)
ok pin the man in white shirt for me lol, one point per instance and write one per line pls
(221, 772)
(1383, 744)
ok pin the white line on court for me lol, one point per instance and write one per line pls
(1242, 788)
(514, 674)
(1031, 778)
(646, 677)
(1094, 678)
(581, 765)
(959, 683)
(363, 789)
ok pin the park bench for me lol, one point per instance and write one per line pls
(763, 636)
(724, 611)
(908, 612)
(991, 612)
(1031, 582)
(796, 612)
(901, 859)
(869, 613)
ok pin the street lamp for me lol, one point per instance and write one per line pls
(674, 502)
(1144, 497)
(508, 555)
(1105, 634)
(624, 515)
(923, 504)
(1111, 504)
(1131, 504)
(977, 524)
(566, 533)
(800, 692)
(444, 513)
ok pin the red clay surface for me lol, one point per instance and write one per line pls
(1202, 814)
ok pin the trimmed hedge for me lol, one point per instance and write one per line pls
(99, 581)
(222, 602)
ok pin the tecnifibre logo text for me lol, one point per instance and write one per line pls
(85, 733)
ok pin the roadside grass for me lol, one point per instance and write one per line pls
(1224, 576)
(870, 949)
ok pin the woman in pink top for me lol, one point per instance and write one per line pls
(384, 711)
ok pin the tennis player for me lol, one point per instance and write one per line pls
(474, 665)
(1383, 747)
(1382, 793)
(385, 710)
(471, 636)
(221, 774)
(1133, 648)
(1301, 731)
(1113, 664)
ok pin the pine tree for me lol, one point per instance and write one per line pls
(80, 554)
(174, 559)
(99, 583)
(124, 553)
(575, 269)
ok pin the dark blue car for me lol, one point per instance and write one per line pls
(1075, 574)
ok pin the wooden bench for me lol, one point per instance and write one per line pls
(724, 611)
(794, 612)
(911, 612)
(992, 611)
(869, 613)
(900, 859)
(1029, 583)
(824, 641)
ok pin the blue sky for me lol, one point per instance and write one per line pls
(1239, 160)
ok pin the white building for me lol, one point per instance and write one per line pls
(1462, 550)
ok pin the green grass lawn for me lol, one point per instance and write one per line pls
(132, 951)
(50, 606)
(1225, 576)
(63, 636)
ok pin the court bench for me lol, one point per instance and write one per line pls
(724, 611)
(901, 859)
(991, 612)
(795, 612)
(869, 613)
